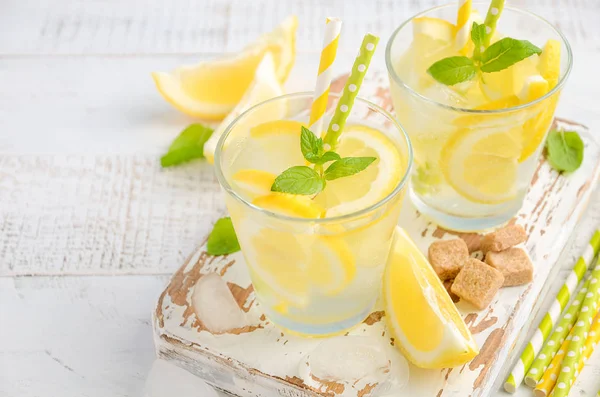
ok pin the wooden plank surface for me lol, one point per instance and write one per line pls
(551, 210)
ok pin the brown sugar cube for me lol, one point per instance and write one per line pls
(447, 257)
(514, 264)
(503, 238)
(477, 283)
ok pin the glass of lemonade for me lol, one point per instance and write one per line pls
(477, 143)
(315, 262)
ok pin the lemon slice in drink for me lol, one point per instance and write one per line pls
(426, 325)
(535, 128)
(346, 195)
(549, 64)
(481, 163)
(254, 182)
(211, 90)
(291, 264)
(264, 86)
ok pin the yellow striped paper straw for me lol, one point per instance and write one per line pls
(463, 25)
(551, 317)
(330, 45)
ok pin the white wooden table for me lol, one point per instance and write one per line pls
(90, 228)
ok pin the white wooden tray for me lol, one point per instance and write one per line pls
(260, 360)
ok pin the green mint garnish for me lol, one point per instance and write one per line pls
(499, 56)
(347, 166)
(222, 240)
(505, 53)
(453, 70)
(305, 180)
(311, 146)
(328, 156)
(189, 145)
(299, 180)
(565, 150)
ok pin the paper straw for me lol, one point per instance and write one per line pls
(576, 345)
(548, 380)
(491, 19)
(549, 377)
(551, 317)
(463, 27)
(558, 336)
(344, 106)
(333, 27)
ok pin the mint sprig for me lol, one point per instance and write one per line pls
(565, 150)
(189, 145)
(499, 56)
(305, 180)
(222, 240)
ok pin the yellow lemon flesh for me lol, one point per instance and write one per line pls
(210, 90)
(426, 325)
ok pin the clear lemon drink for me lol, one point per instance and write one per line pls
(477, 143)
(316, 261)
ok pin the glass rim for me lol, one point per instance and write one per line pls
(394, 76)
(229, 189)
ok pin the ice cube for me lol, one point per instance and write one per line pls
(350, 358)
(446, 95)
(167, 380)
(215, 306)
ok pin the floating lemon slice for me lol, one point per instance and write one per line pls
(435, 28)
(210, 90)
(481, 163)
(346, 195)
(277, 127)
(549, 64)
(264, 86)
(254, 182)
(426, 325)
(535, 128)
(290, 204)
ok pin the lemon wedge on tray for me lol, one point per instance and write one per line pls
(426, 325)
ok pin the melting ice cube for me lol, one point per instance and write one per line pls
(215, 306)
(349, 358)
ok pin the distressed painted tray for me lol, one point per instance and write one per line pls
(258, 359)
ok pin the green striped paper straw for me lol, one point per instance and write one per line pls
(581, 328)
(556, 339)
(344, 106)
(551, 317)
(491, 20)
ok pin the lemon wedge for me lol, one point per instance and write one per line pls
(426, 325)
(549, 64)
(346, 195)
(264, 86)
(210, 90)
(481, 163)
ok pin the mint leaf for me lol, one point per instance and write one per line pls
(565, 150)
(452, 70)
(505, 53)
(222, 239)
(347, 166)
(187, 146)
(311, 146)
(326, 157)
(477, 36)
(299, 179)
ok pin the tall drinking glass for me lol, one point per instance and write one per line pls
(312, 275)
(475, 156)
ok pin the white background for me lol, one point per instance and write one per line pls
(83, 256)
